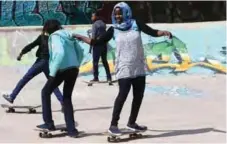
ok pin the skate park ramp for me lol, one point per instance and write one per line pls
(184, 99)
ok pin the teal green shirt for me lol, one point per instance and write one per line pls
(64, 52)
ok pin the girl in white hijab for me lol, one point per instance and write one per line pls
(130, 63)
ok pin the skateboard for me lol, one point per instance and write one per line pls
(124, 131)
(45, 133)
(11, 109)
(100, 82)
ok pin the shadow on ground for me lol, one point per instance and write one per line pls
(167, 133)
(172, 133)
(76, 110)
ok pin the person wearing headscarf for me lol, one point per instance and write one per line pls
(130, 62)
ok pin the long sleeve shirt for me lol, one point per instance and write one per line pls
(64, 51)
(110, 33)
(42, 42)
(98, 28)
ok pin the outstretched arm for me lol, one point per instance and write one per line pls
(152, 32)
(101, 40)
(29, 47)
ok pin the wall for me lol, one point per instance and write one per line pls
(35, 13)
(196, 48)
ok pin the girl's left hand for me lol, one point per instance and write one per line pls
(167, 33)
(77, 36)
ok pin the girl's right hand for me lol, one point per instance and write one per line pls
(19, 57)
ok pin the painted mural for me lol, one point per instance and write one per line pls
(196, 48)
(35, 13)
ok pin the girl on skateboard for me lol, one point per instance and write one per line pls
(130, 63)
(41, 65)
(65, 59)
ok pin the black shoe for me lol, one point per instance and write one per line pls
(136, 127)
(8, 98)
(94, 80)
(50, 127)
(114, 130)
(74, 134)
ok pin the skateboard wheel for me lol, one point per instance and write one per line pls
(118, 139)
(113, 139)
(108, 139)
(32, 111)
(41, 135)
(89, 84)
(140, 135)
(133, 135)
(10, 110)
(110, 84)
(63, 130)
(49, 135)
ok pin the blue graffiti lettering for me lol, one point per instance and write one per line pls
(24, 13)
(6, 13)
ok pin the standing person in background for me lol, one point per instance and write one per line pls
(41, 65)
(100, 50)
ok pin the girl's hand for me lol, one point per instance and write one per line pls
(78, 36)
(165, 33)
(19, 57)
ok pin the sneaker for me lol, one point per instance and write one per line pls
(74, 134)
(136, 127)
(95, 80)
(114, 131)
(50, 127)
(8, 98)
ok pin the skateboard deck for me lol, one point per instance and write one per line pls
(124, 131)
(11, 108)
(45, 133)
(100, 82)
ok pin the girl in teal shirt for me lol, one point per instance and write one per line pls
(64, 62)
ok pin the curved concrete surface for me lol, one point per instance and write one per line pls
(183, 108)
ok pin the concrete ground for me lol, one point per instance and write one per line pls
(184, 108)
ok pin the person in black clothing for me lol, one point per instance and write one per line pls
(41, 65)
(130, 63)
(98, 28)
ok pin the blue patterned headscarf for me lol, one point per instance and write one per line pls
(127, 17)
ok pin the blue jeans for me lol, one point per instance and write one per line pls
(40, 65)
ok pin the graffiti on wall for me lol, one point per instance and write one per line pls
(195, 48)
(35, 13)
